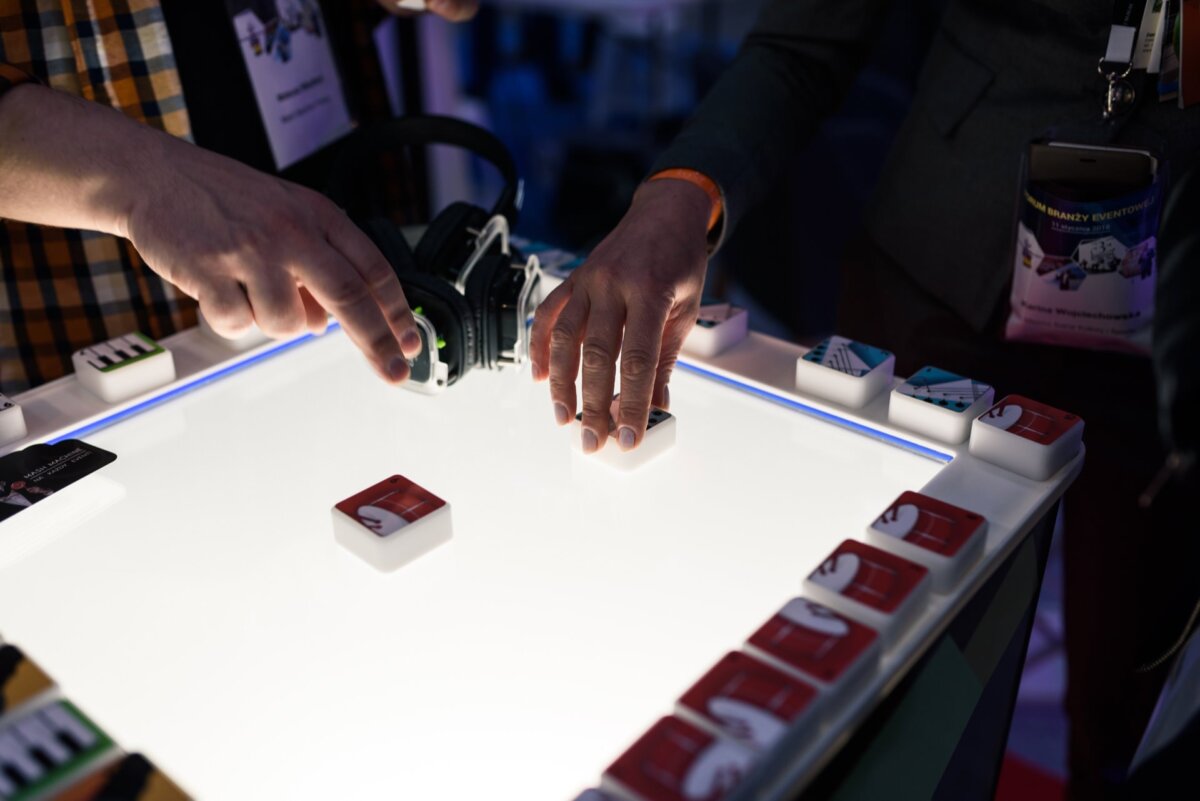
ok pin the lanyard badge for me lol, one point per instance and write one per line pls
(1117, 63)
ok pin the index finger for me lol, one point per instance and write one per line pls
(639, 367)
(338, 287)
(543, 323)
(380, 278)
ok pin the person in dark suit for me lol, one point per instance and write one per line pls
(927, 280)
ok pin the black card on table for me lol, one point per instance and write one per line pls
(31, 475)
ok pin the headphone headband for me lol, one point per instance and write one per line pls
(370, 142)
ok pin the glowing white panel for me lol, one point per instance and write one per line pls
(207, 616)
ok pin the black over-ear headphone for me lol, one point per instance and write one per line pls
(467, 281)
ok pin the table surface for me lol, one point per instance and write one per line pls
(196, 605)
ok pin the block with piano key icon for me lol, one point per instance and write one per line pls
(45, 747)
(719, 327)
(749, 700)
(124, 367)
(1026, 437)
(878, 588)
(131, 778)
(844, 371)
(677, 761)
(392, 523)
(938, 535)
(22, 682)
(824, 648)
(12, 421)
(939, 404)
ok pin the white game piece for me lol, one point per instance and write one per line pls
(844, 371)
(12, 421)
(392, 523)
(659, 437)
(1026, 437)
(873, 586)
(411, 5)
(250, 339)
(124, 367)
(939, 404)
(748, 700)
(719, 327)
(676, 761)
(942, 537)
(831, 651)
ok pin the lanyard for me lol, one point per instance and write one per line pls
(1117, 62)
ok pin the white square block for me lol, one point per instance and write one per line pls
(251, 339)
(12, 421)
(659, 437)
(719, 327)
(844, 371)
(873, 586)
(938, 535)
(748, 700)
(834, 653)
(939, 404)
(1026, 437)
(124, 367)
(392, 523)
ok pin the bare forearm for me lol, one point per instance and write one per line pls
(70, 163)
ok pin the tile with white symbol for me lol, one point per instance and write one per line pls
(719, 327)
(939, 404)
(658, 439)
(938, 535)
(844, 371)
(1027, 437)
(833, 652)
(124, 367)
(392, 523)
(748, 700)
(878, 588)
(12, 421)
(677, 761)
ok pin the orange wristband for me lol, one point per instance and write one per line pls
(704, 182)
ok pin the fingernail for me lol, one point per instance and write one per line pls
(536, 370)
(590, 442)
(561, 414)
(410, 342)
(398, 368)
(666, 398)
(626, 437)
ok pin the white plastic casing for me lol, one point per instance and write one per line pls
(1026, 437)
(251, 339)
(719, 327)
(124, 367)
(844, 371)
(939, 404)
(944, 538)
(873, 586)
(375, 526)
(833, 652)
(658, 439)
(12, 421)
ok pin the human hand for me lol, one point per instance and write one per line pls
(637, 296)
(453, 10)
(252, 248)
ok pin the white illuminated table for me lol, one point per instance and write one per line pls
(194, 603)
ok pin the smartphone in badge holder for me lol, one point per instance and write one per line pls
(1085, 251)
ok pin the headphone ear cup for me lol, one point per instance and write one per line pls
(483, 303)
(447, 244)
(446, 307)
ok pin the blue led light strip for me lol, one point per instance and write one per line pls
(183, 389)
(812, 411)
(820, 414)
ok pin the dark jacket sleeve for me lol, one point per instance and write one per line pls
(793, 69)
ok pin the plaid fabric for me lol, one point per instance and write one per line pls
(62, 290)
